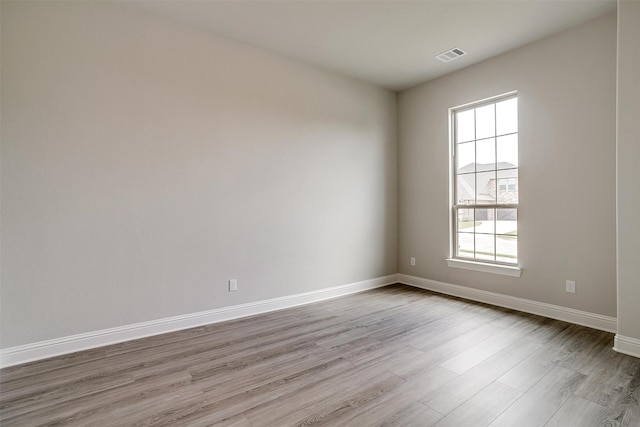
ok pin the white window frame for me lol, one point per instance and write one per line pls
(454, 261)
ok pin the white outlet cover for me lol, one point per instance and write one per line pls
(233, 285)
(571, 286)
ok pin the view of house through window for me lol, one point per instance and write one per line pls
(485, 181)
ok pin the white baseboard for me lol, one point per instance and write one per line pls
(584, 318)
(71, 344)
(627, 345)
(41, 350)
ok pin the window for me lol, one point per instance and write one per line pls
(484, 138)
(507, 184)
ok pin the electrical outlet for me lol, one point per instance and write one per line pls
(233, 285)
(413, 261)
(571, 286)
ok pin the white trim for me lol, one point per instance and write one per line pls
(584, 318)
(626, 345)
(70, 344)
(504, 270)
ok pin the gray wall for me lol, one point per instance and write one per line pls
(566, 86)
(145, 163)
(629, 170)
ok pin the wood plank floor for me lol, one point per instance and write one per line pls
(394, 356)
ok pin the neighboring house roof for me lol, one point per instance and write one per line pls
(466, 183)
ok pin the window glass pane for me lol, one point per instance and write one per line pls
(466, 221)
(465, 126)
(486, 154)
(485, 187)
(507, 222)
(466, 189)
(485, 246)
(506, 249)
(466, 157)
(507, 116)
(485, 220)
(507, 186)
(507, 151)
(465, 245)
(485, 122)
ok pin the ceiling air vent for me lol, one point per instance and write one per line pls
(451, 54)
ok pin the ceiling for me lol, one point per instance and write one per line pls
(389, 43)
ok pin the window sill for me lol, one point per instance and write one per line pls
(504, 270)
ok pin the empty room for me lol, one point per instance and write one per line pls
(313, 212)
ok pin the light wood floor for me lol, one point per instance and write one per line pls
(394, 356)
